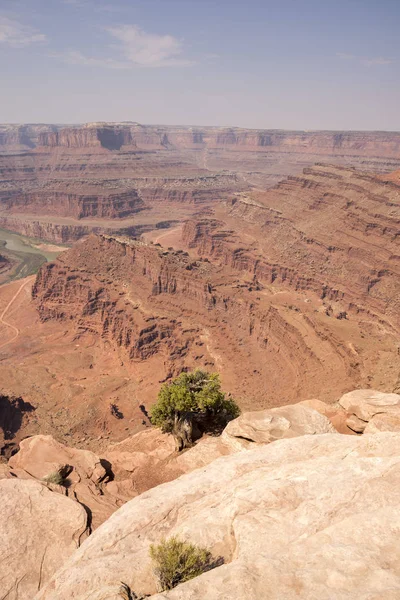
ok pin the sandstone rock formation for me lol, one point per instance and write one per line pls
(96, 292)
(149, 458)
(285, 517)
(267, 426)
(370, 411)
(333, 411)
(39, 530)
(97, 178)
(113, 136)
(142, 458)
(86, 474)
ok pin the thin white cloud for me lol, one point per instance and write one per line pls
(370, 62)
(15, 34)
(95, 6)
(73, 57)
(345, 56)
(136, 48)
(367, 62)
(149, 49)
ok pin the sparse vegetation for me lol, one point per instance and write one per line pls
(193, 404)
(55, 477)
(176, 561)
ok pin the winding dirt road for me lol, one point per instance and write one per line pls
(3, 314)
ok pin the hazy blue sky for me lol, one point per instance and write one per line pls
(299, 64)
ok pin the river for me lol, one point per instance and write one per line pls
(25, 254)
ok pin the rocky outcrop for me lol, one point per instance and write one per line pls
(90, 294)
(284, 517)
(67, 232)
(86, 475)
(370, 411)
(40, 529)
(109, 137)
(148, 459)
(45, 230)
(264, 427)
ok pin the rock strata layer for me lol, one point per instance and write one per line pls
(103, 171)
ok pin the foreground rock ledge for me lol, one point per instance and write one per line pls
(39, 530)
(313, 517)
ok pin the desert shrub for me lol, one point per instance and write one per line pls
(54, 477)
(198, 393)
(176, 561)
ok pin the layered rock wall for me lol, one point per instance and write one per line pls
(18, 137)
(114, 136)
(111, 138)
(333, 231)
(77, 206)
(89, 293)
(232, 314)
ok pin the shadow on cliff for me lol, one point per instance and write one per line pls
(111, 138)
(12, 411)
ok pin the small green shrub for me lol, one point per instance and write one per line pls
(55, 477)
(177, 561)
(198, 392)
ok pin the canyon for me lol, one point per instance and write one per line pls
(289, 293)
(59, 183)
(272, 258)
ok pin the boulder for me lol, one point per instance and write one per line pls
(355, 424)
(383, 422)
(335, 413)
(41, 455)
(363, 405)
(266, 426)
(39, 530)
(149, 458)
(302, 518)
(141, 460)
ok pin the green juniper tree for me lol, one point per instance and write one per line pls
(193, 404)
